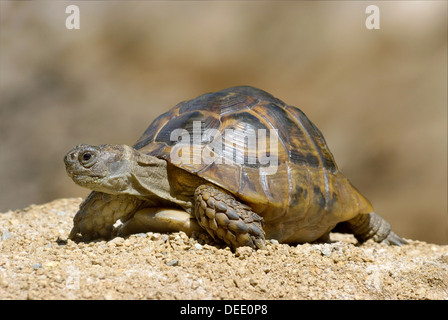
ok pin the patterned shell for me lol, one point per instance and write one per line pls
(306, 188)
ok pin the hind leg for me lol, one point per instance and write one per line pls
(372, 226)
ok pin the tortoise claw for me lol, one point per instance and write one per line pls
(260, 243)
(394, 239)
(73, 233)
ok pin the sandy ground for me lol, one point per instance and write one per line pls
(38, 262)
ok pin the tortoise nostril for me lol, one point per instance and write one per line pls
(71, 157)
(68, 157)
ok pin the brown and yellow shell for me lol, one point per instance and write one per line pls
(305, 197)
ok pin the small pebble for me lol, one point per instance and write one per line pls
(37, 266)
(51, 264)
(6, 234)
(175, 237)
(243, 252)
(253, 282)
(172, 263)
(118, 241)
(141, 235)
(198, 246)
(325, 252)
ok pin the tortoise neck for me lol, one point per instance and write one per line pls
(150, 182)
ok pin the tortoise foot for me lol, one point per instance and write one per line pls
(227, 219)
(373, 226)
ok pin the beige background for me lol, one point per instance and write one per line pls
(379, 96)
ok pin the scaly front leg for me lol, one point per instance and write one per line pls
(98, 213)
(227, 219)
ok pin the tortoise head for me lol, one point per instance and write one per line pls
(105, 168)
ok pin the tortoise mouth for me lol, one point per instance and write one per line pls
(87, 181)
(75, 176)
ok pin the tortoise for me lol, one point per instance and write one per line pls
(235, 194)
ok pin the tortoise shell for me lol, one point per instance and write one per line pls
(305, 197)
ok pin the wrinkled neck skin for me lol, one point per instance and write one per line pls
(144, 177)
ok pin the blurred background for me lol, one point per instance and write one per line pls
(378, 96)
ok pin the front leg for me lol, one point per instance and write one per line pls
(227, 219)
(98, 213)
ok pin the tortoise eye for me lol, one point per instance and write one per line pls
(87, 159)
